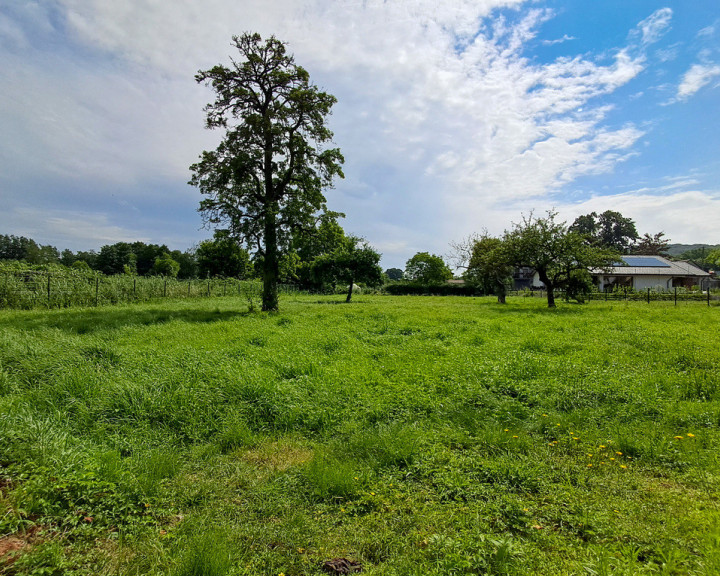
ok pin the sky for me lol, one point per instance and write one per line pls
(454, 117)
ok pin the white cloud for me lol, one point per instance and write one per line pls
(684, 216)
(655, 25)
(441, 114)
(696, 78)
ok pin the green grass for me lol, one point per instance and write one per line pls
(417, 435)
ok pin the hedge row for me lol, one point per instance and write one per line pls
(432, 290)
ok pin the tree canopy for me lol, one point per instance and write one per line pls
(560, 256)
(654, 245)
(265, 180)
(354, 261)
(224, 257)
(425, 268)
(609, 230)
(490, 267)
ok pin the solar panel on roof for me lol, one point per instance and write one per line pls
(645, 262)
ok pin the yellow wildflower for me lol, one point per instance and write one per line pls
(690, 435)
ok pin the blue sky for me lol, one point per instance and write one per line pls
(454, 117)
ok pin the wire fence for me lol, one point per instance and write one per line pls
(29, 289)
(709, 297)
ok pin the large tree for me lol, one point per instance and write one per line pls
(609, 229)
(557, 254)
(426, 268)
(266, 178)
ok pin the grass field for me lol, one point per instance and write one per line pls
(414, 435)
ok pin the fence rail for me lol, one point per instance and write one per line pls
(649, 295)
(28, 289)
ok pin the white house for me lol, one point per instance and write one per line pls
(654, 272)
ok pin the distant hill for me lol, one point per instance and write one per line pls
(677, 249)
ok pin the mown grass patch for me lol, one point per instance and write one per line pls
(414, 435)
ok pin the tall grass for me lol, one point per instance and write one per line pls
(414, 435)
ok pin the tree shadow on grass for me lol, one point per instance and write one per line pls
(107, 318)
(562, 309)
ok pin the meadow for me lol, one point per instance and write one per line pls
(411, 435)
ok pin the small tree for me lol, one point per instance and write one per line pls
(654, 245)
(266, 178)
(490, 267)
(425, 268)
(394, 274)
(355, 262)
(166, 266)
(223, 256)
(554, 252)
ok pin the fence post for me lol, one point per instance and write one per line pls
(134, 287)
(208, 288)
(97, 291)
(648, 295)
(708, 293)
(165, 288)
(189, 282)
(48, 289)
(675, 295)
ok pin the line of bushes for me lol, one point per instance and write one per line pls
(407, 289)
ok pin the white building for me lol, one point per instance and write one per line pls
(654, 272)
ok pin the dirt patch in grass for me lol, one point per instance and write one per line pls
(278, 456)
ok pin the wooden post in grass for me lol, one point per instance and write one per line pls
(134, 287)
(189, 281)
(648, 295)
(675, 295)
(48, 289)
(208, 288)
(708, 292)
(97, 291)
(165, 289)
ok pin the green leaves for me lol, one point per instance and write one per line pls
(267, 175)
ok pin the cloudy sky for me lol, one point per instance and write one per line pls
(454, 116)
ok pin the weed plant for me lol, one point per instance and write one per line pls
(416, 435)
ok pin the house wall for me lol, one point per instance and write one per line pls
(652, 282)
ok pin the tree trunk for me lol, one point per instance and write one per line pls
(270, 265)
(549, 287)
(349, 295)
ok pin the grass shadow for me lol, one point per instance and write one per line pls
(100, 319)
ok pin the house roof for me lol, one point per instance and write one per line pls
(652, 266)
